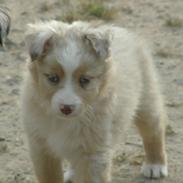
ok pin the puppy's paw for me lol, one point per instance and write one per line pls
(154, 170)
(68, 176)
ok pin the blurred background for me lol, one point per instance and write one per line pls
(159, 22)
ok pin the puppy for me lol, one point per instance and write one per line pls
(84, 84)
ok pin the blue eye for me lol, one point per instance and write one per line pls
(84, 81)
(53, 78)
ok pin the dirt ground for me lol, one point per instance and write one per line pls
(160, 22)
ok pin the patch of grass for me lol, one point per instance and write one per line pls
(174, 22)
(163, 53)
(98, 10)
(137, 160)
(120, 158)
(169, 130)
(87, 10)
(70, 16)
(45, 7)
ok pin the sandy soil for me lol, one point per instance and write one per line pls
(160, 22)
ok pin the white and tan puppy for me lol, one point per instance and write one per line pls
(84, 84)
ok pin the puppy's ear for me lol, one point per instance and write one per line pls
(100, 44)
(39, 43)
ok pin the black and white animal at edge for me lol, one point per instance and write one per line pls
(5, 23)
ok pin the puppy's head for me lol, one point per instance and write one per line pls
(69, 66)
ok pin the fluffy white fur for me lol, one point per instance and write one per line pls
(88, 136)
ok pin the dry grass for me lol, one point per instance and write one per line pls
(46, 7)
(87, 10)
(163, 53)
(169, 131)
(174, 22)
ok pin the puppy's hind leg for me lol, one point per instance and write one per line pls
(152, 131)
(150, 119)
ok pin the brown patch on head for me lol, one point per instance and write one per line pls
(98, 72)
(80, 71)
(57, 69)
(38, 70)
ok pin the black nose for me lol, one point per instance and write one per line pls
(66, 109)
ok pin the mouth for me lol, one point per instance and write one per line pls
(68, 115)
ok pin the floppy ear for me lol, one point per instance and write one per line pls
(99, 43)
(39, 44)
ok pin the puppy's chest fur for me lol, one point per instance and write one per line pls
(79, 137)
(63, 141)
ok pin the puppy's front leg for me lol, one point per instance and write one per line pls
(93, 169)
(47, 167)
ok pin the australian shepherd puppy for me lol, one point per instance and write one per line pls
(83, 84)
